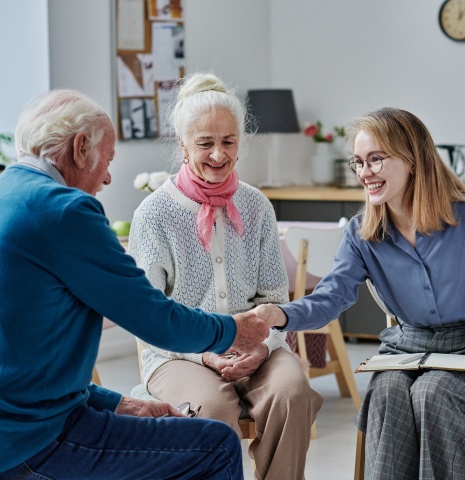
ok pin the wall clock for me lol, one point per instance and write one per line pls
(452, 19)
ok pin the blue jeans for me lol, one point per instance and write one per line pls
(101, 445)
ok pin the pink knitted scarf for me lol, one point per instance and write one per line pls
(210, 195)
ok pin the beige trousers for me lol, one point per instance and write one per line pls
(279, 397)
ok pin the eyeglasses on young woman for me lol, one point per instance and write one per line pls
(374, 163)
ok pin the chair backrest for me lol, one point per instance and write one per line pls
(359, 473)
(390, 320)
(322, 245)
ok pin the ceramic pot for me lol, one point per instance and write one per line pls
(322, 164)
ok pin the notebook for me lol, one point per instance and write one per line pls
(413, 361)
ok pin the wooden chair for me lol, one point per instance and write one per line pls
(314, 250)
(359, 473)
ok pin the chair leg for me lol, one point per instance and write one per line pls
(303, 358)
(313, 431)
(96, 377)
(359, 473)
(338, 351)
(251, 459)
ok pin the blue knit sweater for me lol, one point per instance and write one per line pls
(61, 270)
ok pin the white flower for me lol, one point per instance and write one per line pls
(149, 182)
(157, 179)
(141, 181)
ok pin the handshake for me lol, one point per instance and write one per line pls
(253, 326)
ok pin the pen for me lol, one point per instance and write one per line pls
(412, 359)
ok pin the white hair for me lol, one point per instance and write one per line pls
(49, 123)
(200, 93)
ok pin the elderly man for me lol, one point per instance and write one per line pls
(61, 270)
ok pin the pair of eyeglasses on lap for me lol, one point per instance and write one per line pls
(185, 409)
(374, 162)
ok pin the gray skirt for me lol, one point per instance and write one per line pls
(403, 338)
(415, 420)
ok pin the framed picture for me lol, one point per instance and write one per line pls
(135, 75)
(168, 50)
(132, 26)
(164, 9)
(138, 118)
(150, 60)
(165, 97)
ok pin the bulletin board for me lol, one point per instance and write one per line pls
(149, 62)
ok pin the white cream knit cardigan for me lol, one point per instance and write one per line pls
(238, 273)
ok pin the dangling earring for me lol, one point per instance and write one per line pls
(186, 160)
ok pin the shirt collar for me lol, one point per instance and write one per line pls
(44, 166)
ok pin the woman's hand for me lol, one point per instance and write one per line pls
(245, 364)
(220, 362)
(271, 314)
(146, 408)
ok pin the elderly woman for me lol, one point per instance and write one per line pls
(409, 241)
(210, 241)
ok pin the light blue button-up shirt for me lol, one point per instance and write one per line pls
(422, 286)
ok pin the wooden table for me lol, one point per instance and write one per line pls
(332, 194)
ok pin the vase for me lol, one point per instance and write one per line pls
(322, 164)
(340, 148)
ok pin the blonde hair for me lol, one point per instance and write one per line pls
(47, 126)
(433, 187)
(200, 93)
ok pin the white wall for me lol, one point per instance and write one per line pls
(341, 58)
(352, 56)
(24, 59)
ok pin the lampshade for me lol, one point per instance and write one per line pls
(274, 110)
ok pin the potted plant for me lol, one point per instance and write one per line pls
(5, 159)
(322, 164)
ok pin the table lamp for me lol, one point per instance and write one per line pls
(274, 112)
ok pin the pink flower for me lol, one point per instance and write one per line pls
(311, 131)
(316, 132)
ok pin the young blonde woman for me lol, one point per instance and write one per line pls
(409, 241)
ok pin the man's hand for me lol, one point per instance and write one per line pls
(251, 331)
(271, 314)
(146, 408)
(246, 364)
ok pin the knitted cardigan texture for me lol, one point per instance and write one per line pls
(237, 274)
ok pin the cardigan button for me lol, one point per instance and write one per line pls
(223, 295)
(219, 259)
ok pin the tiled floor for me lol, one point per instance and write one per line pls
(331, 456)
